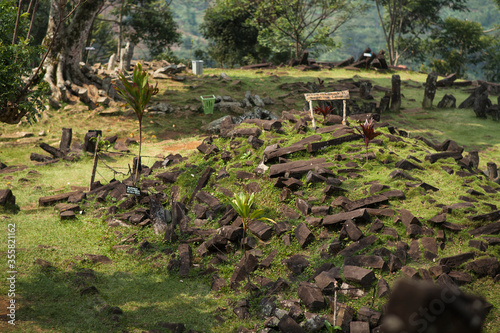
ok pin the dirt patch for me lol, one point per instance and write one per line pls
(415, 110)
(180, 147)
(4, 325)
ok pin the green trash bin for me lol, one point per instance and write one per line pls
(208, 104)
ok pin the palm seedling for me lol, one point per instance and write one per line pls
(137, 95)
(242, 204)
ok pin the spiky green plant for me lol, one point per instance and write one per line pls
(137, 94)
(242, 204)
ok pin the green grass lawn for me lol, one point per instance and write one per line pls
(140, 282)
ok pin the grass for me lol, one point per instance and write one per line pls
(140, 282)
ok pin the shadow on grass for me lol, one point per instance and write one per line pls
(65, 301)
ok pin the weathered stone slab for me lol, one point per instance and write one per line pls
(296, 263)
(489, 229)
(297, 168)
(457, 155)
(371, 201)
(359, 215)
(288, 324)
(456, 260)
(358, 246)
(360, 275)
(359, 327)
(370, 316)
(303, 235)
(53, 199)
(327, 281)
(407, 165)
(317, 146)
(207, 198)
(311, 296)
(271, 154)
(493, 216)
(185, 256)
(484, 267)
(260, 229)
(407, 218)
(371, 261)
(52, 150)
(351, 230)
(168, 177)
(7, 197)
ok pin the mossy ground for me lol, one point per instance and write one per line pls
(140, 284)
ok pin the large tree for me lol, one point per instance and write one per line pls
(148, 21)
(19, 94)
(301, 24)
(66, 41)
(232, 39)
(404, 22)
(457, 44)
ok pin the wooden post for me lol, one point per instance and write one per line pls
(94, 167)
(344, 121)
(312, 114)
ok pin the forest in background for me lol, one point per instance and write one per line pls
(351, 39)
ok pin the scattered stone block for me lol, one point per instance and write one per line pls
(478, 244)
(260, 229)
(311, 296)
(358, 246)
(488, 229)
(359, 215)
(460, 278)
(359, 327)
(296, 263)
(372, 261)
(410, 272)
(303, 235)
(360, 275)
(382, 288)
(327, 280)
(7, 198)
(456, 260)
(351, 230)
(484, 267)
(287, 324)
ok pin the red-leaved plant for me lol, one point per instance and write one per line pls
(324, 110)
(367, 130)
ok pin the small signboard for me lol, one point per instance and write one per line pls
(369, 55)
(327, 96)
(133, 190)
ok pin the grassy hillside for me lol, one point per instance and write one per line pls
(64, 284)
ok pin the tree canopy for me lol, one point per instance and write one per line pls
(17, 58)
(404, 22)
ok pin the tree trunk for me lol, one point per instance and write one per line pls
(63, 61)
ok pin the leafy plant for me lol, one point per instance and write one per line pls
(137, 95)
(242, 204)
(368, 132)
(101, 144)
(330, 328)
